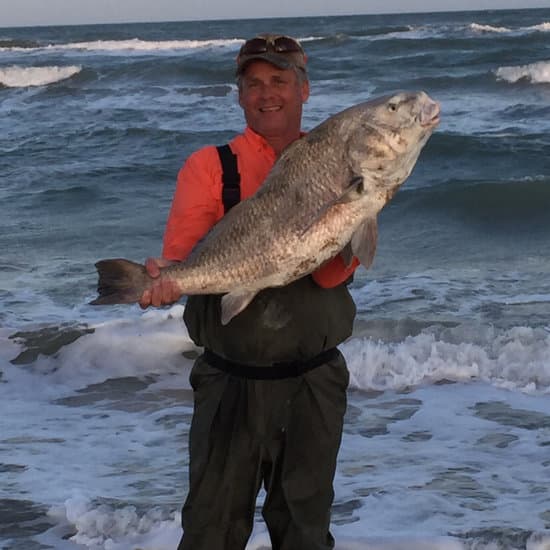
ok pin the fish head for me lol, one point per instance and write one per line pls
(385, 137)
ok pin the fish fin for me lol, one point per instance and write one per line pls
(363, 242)
(234, 302)
(347, 255)
(120, 282)
(354, 189)
(351, 193)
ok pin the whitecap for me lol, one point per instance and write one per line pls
(135, 44)
(488, 28)
(514, 359)
(536, 73)
(542, 27)
(23, 77)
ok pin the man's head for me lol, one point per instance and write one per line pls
(273, 86)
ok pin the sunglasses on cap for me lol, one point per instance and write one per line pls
(278, 44)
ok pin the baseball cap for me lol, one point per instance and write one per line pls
(282, 51)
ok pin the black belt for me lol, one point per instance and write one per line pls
(275, 371)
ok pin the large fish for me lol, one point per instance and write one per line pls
(321, 198)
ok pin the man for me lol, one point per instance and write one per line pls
(270, 388)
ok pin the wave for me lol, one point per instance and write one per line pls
(543, 27)
(476, 27)
(513, 358)
(133, 44)
(535, 73)
(479, 28)
(453, 32)
(24, 77)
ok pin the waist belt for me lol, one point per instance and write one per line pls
(274, 371)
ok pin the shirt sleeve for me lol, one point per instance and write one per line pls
(196, 206)
(334, 272)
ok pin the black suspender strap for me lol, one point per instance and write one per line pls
(231, 191)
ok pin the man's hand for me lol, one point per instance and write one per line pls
(164, 291)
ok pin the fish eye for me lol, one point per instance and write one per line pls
(392, 107)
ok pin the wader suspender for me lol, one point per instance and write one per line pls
(231, 191)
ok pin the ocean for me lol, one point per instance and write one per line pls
(447, 436)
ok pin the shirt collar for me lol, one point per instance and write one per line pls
(259, 142)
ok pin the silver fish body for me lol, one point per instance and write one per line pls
(321, 198)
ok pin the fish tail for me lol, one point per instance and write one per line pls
(120, 282)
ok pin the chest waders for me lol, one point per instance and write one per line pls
(270, 397)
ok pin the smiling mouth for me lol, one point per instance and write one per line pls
(270, 109)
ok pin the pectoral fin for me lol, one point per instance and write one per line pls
(235, 302)
(352, 192)
(347, 254)
(363, 243)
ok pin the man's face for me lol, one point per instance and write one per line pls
(272, 99)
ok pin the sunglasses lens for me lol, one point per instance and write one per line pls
(254, 46)
(284, 44)
(281, 44)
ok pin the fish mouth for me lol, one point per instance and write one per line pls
(430, 115)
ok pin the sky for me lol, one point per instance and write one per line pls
(78, 12)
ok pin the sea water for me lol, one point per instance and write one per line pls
(447, 435)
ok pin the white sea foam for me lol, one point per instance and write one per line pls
(135, 44)
(514, 359)
(541, 27)
(537, 73)
(92, 456)
(488, 28)
(125, 347)
(23, 77)
(102, 526)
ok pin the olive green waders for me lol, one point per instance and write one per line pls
(284, 434)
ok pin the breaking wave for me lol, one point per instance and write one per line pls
(133, 44)
(541, 27)
(536, 73)
(514, 359)
(23, 77)
(488, 28)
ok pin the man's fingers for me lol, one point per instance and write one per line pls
(156, 294)
(145, 300)
(152, 266)
(163, 292)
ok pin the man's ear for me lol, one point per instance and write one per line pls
(305, 91)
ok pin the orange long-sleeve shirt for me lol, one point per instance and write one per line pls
(197, 205)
